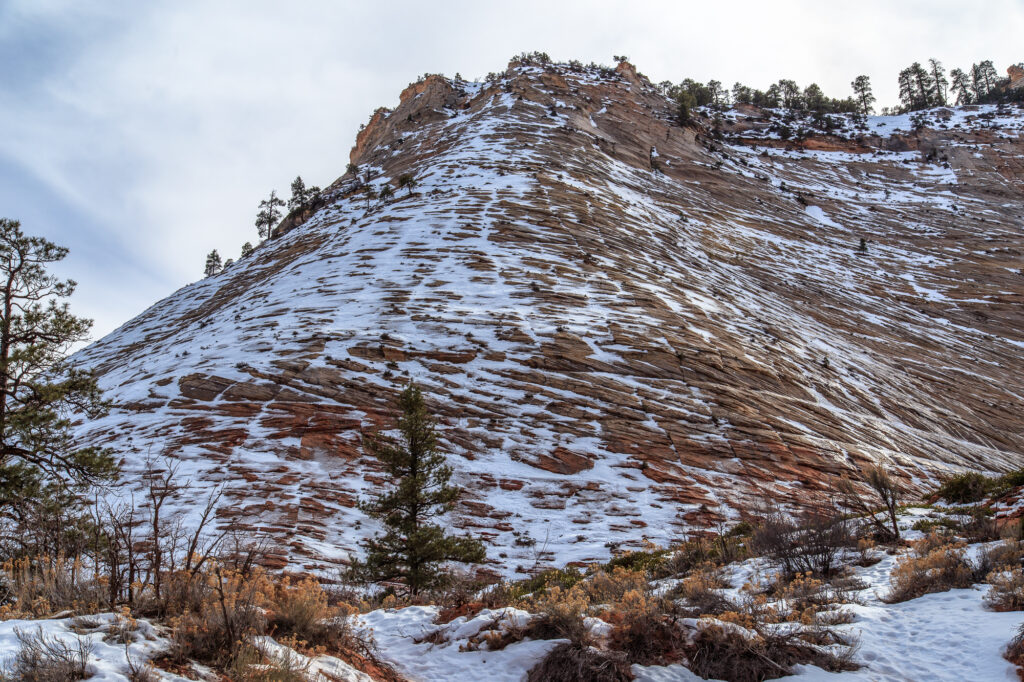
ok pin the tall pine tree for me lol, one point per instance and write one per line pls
(269, 214)
(961, 86)
(939, 82)
(213, 264)
(40, 392)
(862, 93)
(413, 548)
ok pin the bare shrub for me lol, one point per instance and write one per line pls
(1015, 650)
(43, 658)
(981, 526)
(813, 546)
(934, 565)
(719, 549)
(139, 671)
(1005, 555)
(885, 492)
(725, 652)
(578, 663)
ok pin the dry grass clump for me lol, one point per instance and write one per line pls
(42, 658)
(229, 616)
(42, 586)
(646, 630)
(239, 606)
(560, 614)
(579, 663)
(605, 587)
(701, 590)
(935, 564)
(250, 664)
(1007, 592)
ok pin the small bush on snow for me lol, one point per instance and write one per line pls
(1015, 650)
(732, 653)
(934, 565)
(42, 658)
(1007, 593)
(580, 663)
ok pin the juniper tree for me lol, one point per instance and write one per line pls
(269, 214)
(789, 92)
(408, 182)
(39, 389)
(246, 249)
(386, 192)
(814, 98)
(413, 548)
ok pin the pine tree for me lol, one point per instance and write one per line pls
(862, 92)
(983, 80)
(938, 80)
(269, 214)
(961, 86)
(213, 264)
(298, 194)
(412, 549)
(370, 194)
(39, 391)
(246, 249)
(301, 195)
(386, 192)
(923, 86)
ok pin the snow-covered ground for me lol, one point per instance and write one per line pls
(949, 636)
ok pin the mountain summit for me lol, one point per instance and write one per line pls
(629, 328)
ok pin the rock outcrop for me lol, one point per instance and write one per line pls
(1016, 74)
(628, 329)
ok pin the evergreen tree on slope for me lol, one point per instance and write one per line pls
(413, 548)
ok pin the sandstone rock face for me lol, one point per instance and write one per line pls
(1016, 76)
(628, 329)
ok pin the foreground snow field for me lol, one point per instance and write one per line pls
(945, 636)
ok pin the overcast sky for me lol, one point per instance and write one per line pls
(143, 134)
